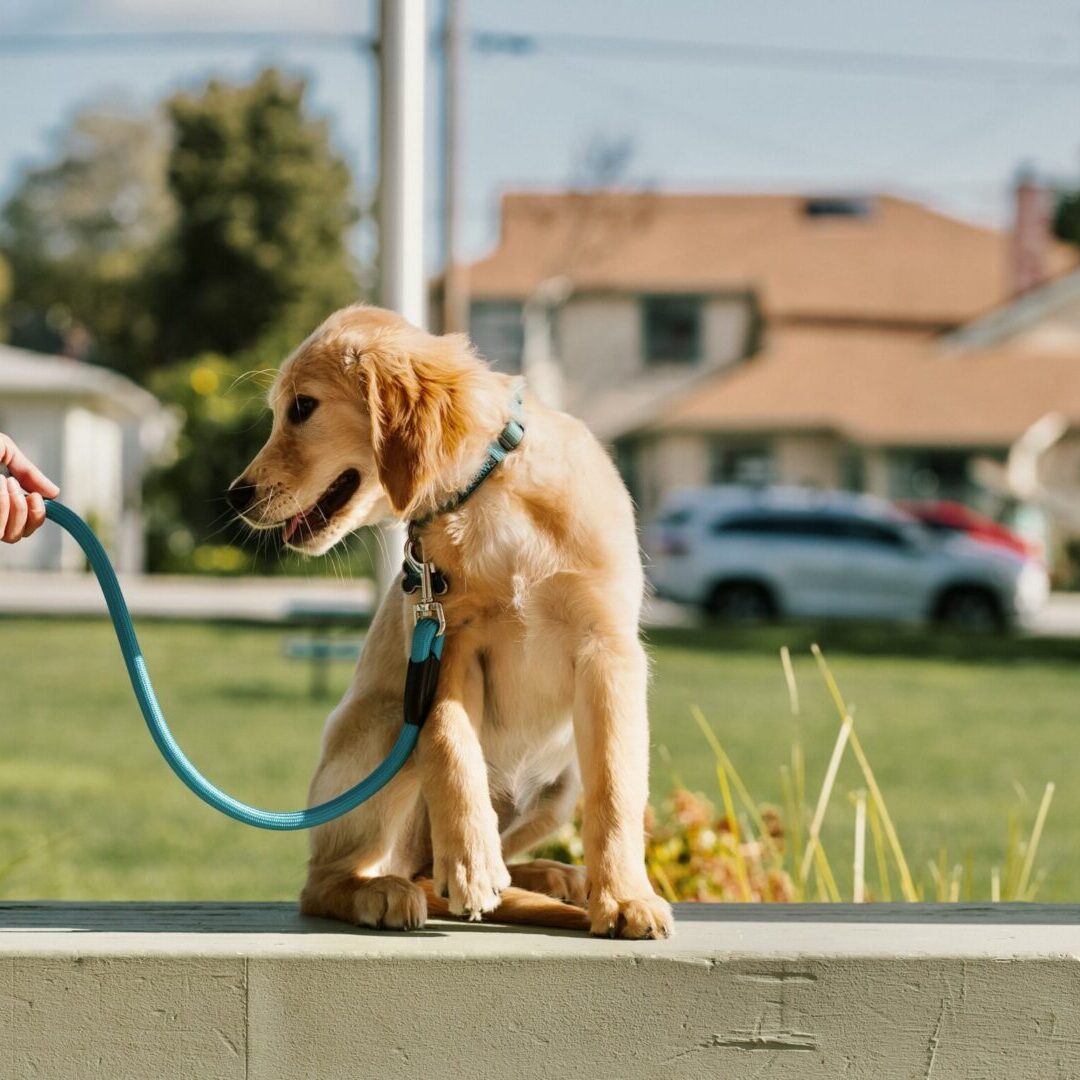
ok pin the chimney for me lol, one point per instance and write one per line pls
(1030, 240)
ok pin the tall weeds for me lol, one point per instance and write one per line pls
(741, 849)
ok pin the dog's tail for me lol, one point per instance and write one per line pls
(519, 907)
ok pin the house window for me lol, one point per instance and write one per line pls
(498, 332)
(931, 474)
(837, 207)
(672, 329)
(740, 464)
(852, 470)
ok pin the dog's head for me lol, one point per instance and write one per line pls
(371, 419)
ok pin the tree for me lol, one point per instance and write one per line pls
(255, 259)
(210, 225)
(1067, 218)
(80, 233)
(262, 213)
(187, 248)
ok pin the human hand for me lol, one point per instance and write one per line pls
(22, 494)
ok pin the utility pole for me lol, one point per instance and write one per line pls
(402, 64)
(455, 302)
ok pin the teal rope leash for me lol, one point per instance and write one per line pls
(420, 684)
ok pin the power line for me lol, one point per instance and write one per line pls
(185, 39)
(741, 54)
(514, 44)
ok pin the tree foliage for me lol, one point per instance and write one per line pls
(262, 212)
(1067, 218)
(186, 247)
(209, 225)
(80, 234)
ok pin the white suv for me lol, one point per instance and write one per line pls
(752, 554)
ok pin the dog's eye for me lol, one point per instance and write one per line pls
(301, 408)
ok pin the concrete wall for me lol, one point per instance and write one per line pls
(804, 993)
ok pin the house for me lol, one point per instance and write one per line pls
(839, 342)
(92, 431)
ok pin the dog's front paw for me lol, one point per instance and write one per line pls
(389, 903)
(471, 874)
(638, 916)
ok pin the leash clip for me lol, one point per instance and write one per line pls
(427, 607)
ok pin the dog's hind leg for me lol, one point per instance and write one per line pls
(358, 872)
(554, 807)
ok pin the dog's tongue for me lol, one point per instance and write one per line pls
(291, 527)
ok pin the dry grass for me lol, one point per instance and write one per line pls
(736, 848)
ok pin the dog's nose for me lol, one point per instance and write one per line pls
(241, 494)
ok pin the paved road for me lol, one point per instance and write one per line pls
(257, 599)
(1060, 617)
(275, 599)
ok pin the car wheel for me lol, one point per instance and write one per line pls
(741, 602)
(970, 610)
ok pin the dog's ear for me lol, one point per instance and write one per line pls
(417, 401)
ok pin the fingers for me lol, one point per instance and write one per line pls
(24, 470)
(15, 512)
(35, 514)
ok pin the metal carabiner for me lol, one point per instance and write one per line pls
(427, 607)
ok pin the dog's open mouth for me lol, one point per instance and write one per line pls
(312, 521)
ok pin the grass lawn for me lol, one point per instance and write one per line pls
(89, 811)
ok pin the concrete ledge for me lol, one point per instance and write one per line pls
(255, 991)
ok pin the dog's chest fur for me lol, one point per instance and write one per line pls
(527, 729)
(525, 652)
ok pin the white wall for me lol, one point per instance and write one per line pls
(727, 328)
(37, 425)
(812, 460)
(598, 341)
(665, 463)
(599, 337)
(82, 451)
(93, 477)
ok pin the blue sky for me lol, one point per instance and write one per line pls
(951, 142)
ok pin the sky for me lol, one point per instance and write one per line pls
(951, 136)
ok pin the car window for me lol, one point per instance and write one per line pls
(675, 518)
(779, 524)
(814, 526)
(872, 532)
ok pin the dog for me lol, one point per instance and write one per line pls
(542, 687)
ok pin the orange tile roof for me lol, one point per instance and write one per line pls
(902, 262)
(882, 388)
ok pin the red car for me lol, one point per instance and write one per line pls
(956, 517)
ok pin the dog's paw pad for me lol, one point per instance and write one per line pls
(636, 918)
(390, 903)
(474, 885)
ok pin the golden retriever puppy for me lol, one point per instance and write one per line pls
(543, 678)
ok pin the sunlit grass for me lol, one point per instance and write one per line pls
(696, 853)
(88, 810)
